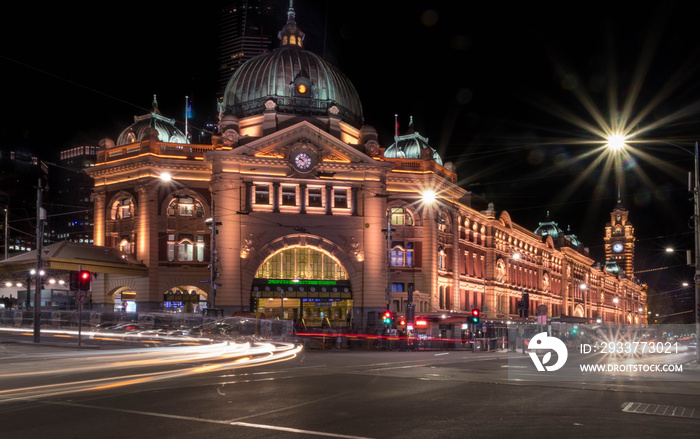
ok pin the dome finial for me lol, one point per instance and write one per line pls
(155, 105)
(290, 34)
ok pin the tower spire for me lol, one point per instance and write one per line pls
(291, 35)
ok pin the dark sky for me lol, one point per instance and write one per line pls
(508, 93)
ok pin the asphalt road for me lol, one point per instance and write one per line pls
(336, 393)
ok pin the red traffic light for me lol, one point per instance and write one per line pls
(475, 312)
(84, 278)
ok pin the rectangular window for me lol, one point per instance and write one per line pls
(396, 288)
(186, 206)
(289, 195)
(185, 251)
(340, 198)
(200, 248)
(262, 194)
(315, 197)
(397, 257)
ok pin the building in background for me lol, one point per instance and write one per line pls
(70, 207)
(317, 222)
(246, 30)
(19, 176)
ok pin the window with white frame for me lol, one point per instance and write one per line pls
(400, 217)
(289, 195)
(315, 196)
(187, 247)
(262, 193)
(340, 198)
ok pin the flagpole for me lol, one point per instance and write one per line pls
(187, 114)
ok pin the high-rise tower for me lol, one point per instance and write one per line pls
(246, 30)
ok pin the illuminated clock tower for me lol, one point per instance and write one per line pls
(619, 240)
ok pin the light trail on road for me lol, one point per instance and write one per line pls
(207, 358)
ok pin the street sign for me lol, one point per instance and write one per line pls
(542, 310)
(80, 297)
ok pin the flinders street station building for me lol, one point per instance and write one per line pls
(295, 210)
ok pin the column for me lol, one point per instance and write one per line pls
(226, 193)
(99, 217)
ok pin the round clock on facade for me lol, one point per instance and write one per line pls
(617, 247)
(302, 161)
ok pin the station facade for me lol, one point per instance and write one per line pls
(315, 221)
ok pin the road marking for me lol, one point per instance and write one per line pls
(296, 430)
(215, 421)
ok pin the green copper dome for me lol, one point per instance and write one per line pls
(412, 146)
(297, 81)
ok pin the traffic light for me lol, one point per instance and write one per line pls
(475, 315)
(84, 278)
(74, 284)
(524, 305)
(574, 330)
(386, 318)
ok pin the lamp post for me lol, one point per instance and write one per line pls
(615, 143)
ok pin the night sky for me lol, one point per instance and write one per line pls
(507, 93)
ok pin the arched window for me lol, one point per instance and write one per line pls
(442, 259)
(122, 208)
(400, 217)
(402, 254)
(301, 263)
(185, 206)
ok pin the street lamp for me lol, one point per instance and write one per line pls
(693, 187)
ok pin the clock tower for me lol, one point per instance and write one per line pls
(619, 240)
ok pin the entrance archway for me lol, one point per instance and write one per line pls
(305, 281)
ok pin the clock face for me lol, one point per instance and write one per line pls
(302, 161)
(617, 247)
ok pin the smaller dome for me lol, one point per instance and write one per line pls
(612, 267)
(549, 228)
(412, 146)
(149, 125)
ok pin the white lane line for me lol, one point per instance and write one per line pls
(215, 421)
(283, 409)
(296, 430)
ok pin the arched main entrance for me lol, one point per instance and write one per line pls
(303, 283)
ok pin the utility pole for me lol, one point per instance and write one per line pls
(40, 215)
(7, 230)
(213, 258)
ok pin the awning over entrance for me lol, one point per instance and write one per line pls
(302, 288)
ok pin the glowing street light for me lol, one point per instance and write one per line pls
(429, 197)
(616, 142)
